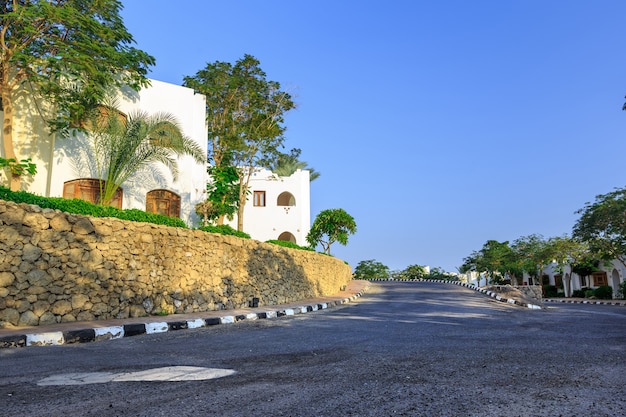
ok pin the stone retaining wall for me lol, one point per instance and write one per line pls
(57, 267)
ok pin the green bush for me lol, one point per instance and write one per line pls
(224, 229)
(550, 291)
(581, 293)
(76, 206)
(589, 294)
(622, 290)
(291, 245)
(604, 292)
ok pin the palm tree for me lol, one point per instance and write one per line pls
(284, 165)
(124, 146)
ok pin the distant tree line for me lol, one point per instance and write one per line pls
(599, 236)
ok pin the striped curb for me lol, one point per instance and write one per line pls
(134, 329)
(462, 284)
(594, 302)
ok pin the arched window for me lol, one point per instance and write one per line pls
(286, 199)
(88, 189)
(163, 202)
(287, 237)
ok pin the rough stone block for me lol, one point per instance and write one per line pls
(28, 318)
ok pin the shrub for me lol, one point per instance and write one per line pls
(604, 292)
(550, 291)
(622, 290)
(589, 294)
(291, 245)
(224, 229)
(581, 293)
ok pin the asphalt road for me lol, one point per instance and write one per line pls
(406, 349)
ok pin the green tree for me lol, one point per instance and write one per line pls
(371, 269)
(602, 225)
(68, 53)
(284, 165)
(413, 272)
(122, 147)
(330, 226)
(245, 116)
(567, 252)
(585, 267)
(222, 195)
(532, 254)
(495, 260)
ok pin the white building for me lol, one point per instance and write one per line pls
(278, 207)
(567, 281)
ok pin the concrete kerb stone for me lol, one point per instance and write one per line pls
(116, 332)
(607, 302)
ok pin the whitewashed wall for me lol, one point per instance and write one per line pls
(269, 222)
(62, 159)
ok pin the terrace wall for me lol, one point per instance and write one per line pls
(57, 267)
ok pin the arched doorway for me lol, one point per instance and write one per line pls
(615, 282)
(287, 236)
(163, 202)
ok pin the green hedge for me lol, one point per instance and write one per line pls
(85, 208)
(604, 292)
(550, 291)
(291, 245)
(224, 229)
(76, 206)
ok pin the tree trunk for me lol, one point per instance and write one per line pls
(7, 131)
(242, 203)
(244, 183)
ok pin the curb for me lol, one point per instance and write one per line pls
(94, 334)
(594, 302)
(462, 284)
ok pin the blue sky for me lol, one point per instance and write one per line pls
(437, 125)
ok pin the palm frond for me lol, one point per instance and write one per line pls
(124, 147)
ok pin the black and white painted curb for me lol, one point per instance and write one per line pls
(598, 302)
(43, 338)
(472, 287)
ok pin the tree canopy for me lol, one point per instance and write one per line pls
(413, 272)
(371, 269)
(68, 53)
(330, 226)
(284, 165)
(245, 117)
(602, 225)
(495, 259)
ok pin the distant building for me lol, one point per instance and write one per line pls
(567, 281)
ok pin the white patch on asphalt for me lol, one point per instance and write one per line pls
(168, 373)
